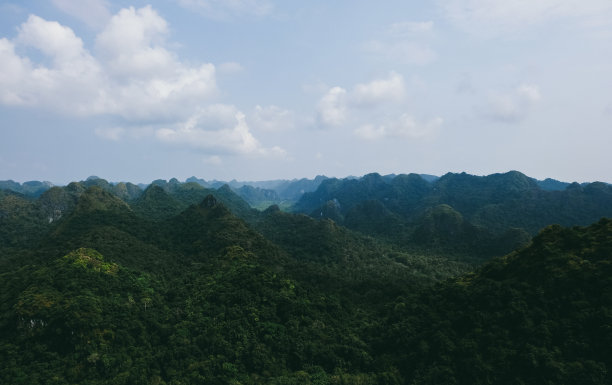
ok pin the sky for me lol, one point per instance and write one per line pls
(267, 89)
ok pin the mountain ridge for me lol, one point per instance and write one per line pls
(187, 284)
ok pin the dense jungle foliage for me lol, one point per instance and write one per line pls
(179, 283)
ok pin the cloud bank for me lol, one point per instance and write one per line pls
(218, 128)
(380, 103)
(130, 74)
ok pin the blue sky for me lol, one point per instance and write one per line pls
(263, 89)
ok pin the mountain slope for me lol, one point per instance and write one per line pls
(497, 208)
(159, 290)
(540, 315)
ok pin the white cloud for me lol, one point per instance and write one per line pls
(331, 108)
(272, 118)
(223, 9)
(138, 28)
(53, 39)
(404, 127)
(379, 91)
(12, 70)
(133, 75)
(147, 79)
(94, 13)
(514, 106)
(513, 16)
(381, 105)
(71, 82)
(218, 128)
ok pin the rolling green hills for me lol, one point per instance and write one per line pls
(496, 211)
(389, 281)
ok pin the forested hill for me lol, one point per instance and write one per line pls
(458, 214)
(460, 210)
(183, 284)
(542, 315)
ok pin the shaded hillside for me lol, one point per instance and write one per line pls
(22, 224)
(156, 204)
(351, 255)
(285, 190)
(209, 228)
(538, 316)
(102, 221)
(498, 205)
(178, 196)
(403, 191)
(125, 191)
(258, 197)
(31, 189)
(163, 295)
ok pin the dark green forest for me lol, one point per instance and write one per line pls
(375, 280)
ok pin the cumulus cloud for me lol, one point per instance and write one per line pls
(220, 128)
(511, 16)
(222, 9)
(331, 109)
(132, 74)
(337, 102)
(94, 13)
(380, 103)
(132, 43)
(147, 79)
(379, 91)
(514, 106)
(69, 83)
(272, 118)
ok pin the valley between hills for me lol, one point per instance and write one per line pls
(379, 279)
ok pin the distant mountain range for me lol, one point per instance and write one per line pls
(458, 213)
(32, 188)
(493, 214)
(257, 193)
